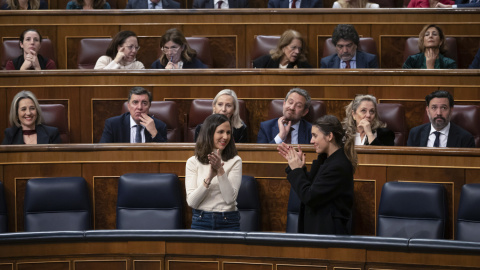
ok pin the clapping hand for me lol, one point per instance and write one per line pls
(295, 159)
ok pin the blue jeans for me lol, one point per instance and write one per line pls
(221, 221)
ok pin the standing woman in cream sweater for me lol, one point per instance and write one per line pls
(213, 177)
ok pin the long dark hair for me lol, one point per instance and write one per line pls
(330, 124)
(205, 144)
(119, 39)
(176, 36)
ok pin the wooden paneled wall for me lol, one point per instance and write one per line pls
(93, 96)
(101, 165)
(232, 32)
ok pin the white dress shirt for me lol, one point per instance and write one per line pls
(443, 136)
(133, 131)
(294, 134)
(353, 62)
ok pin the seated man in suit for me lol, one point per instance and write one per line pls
(295, 4)
(152, 4)
(346, 40)
(135, 126)
(460, 4)
(440, 132)
(290, 128)
(220, 4)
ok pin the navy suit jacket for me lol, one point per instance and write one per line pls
(466, 4)
(457, 136)
(231, 4)
(117, 130)
(143, 4)
(269, 130)
(363, 60)
(45, 135)
(476, 61)
(303, 4)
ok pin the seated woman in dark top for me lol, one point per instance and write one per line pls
(24, 4)
(177, 54)
(431, 43)
(326, 192)
(25, 120)
(88, 4)
(30, 43)
(226, 103)
(362, 122)
(290, 53)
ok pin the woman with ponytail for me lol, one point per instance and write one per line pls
(326, 192)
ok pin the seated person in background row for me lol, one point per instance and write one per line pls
(460, 4)
(177, 54)
(213, 177)
(30, 42)
(428, 3)
(476, 61)
(88, 4)
(346, 40)
(354, 4)
(220, 4)
(440, 132)
(289, 53)
(121, 53)
(326, 192)
(25, 121)
(153, 4)
(362, 123)
(290, 128)
(431, 43)
(295, 4)
(23, 5)
(135, 126)
(226, 103)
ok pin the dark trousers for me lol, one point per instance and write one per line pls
(221, 221)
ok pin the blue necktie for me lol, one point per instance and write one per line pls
(436, 143)
(138, 134)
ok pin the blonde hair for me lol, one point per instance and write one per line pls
(287, 38)
(13, 117)
(350, 125)
(15, 5)
(235, 120)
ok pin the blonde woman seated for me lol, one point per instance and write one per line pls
(25, 120)
(226, 103)
(290, 53)
(362, 122)
(354, 4)
(121, 53)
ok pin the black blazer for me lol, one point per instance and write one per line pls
(231, 4)
(117, 130)
(266, 61)
(240, 135)
(303, 4)
(457, 136)
(326, 194)
(45, 135)
(384, 137)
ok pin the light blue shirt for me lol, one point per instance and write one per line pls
(152, 5)
(353, 62)
(133, 131)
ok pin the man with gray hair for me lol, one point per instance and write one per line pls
(346, 41)
(290, 128)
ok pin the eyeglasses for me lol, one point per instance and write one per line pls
(171, 49)
(131, 47)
